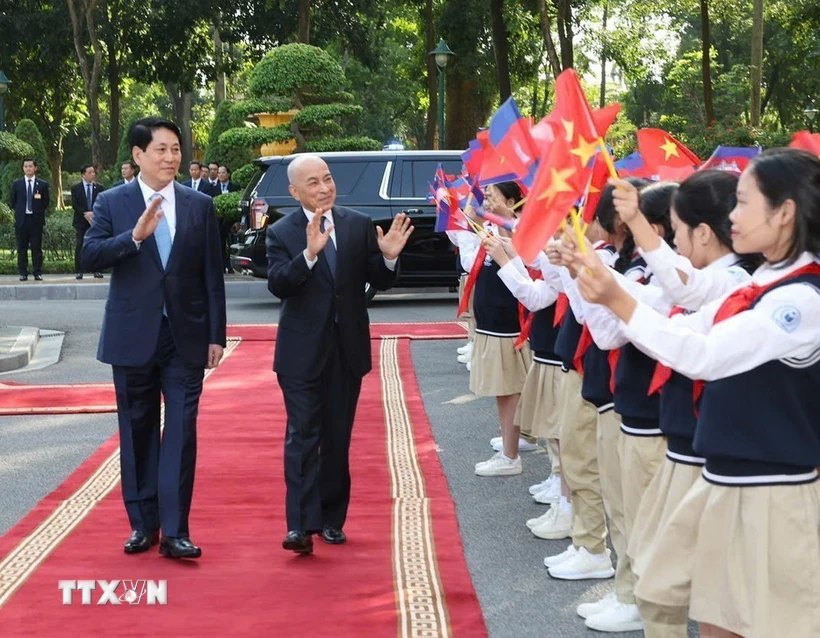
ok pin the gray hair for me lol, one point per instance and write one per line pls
(297, 161)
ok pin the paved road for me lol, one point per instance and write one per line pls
(518, 598)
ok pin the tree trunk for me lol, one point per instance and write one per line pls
(466, 111)
(432, 80)
(546, 31)
(82, 22)
(705, 62)
(565, 33)
(220, 90)
(602, 99)
(304, 21)
(181, 102)
(55, 161)
(757, 60)
(501, 48)
(114, 85)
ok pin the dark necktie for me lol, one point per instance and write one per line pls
(29, 196)
(330, 249)
(89, 195)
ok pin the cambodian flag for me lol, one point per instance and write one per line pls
(732, 159)
(631, 166)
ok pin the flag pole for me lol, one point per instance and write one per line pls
(608, 158)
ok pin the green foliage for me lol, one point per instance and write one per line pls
(227, 206)
(703, 140)
(261, 105)
(294, 70)
(13, 148)
(6, 215)
(243, 174)
(28, 132)
(251, 137)
(319, 113)
(359, 143)
(232, 154)
(59, 236)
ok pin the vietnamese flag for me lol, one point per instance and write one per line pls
(597, 183)
(806, 141)
(605, 117)
(559, 184)
(660, 150)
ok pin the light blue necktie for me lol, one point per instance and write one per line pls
(88, 196)
(162, 235)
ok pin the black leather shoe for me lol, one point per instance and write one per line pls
(178, 548)
(23, 277)
(140, 541)
(38, 278)
(98, 275)
(79, 275)
(333, 535)
(298, 542)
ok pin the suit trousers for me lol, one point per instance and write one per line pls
(78, 247)
(158, 471)
(29, 235)
(320, 413)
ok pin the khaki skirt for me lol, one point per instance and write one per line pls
(537, 411)
(662, 497)
(745, 559)
(497, 369)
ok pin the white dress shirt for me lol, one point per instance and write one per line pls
(168, 206)
(195, 184)
(390, 263)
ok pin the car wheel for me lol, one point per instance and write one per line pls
(369, 292)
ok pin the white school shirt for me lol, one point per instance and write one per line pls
(534, 294)
(328, 215)
(782, 326)
(169, 205)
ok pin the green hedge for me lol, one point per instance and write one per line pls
(227, 206)
(58, 242)
(320, 113)
(13, 148)
(243, 174)
(288, 69)
(344, 144)
(8, 266)
(251, 137)
(261, 105)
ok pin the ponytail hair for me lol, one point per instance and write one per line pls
(655, 202)
(605, 212)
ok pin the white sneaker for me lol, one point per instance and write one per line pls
(497, 443)
(585, 610)
(499, 465)
(583, 566)
(467, 348)
(559, 525)
(615, 618)
(534, 489)
(468, 366)
(549, 494)
(538, 520)
(464, 358)
(552, 561)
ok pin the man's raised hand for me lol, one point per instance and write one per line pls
(392, 243)
(148, 221)
(316, 239)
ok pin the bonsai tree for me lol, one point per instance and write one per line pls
(309, 80)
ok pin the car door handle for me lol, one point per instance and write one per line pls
(413, 211)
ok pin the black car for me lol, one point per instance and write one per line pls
(380, 184)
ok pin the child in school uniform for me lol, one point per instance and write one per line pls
(742, 548)
(497, 368)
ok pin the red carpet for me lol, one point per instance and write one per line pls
(402, 572)
(17, 399)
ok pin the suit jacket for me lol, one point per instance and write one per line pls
(204, 186)
(312, 299)
(120, 183)
(17, 201)
(191, 289)
(232, 188)
(80, 203)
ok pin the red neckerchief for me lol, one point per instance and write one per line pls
(525, 319)
(561, 306)
(743, 298)
(612, 358)
(663, 373)
(583, 345)
(471, 279)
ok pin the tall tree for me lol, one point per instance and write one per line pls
(757, 60)
(566, 33)
(304, 21)
(604, 19)
(706, 50)
(83, 15)
(432, 70)
(501, 47)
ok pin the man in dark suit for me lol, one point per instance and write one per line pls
(197, 181)
(164, 324)
(29, 200)
(83, 195)
(128, 170)
(225, 185)
(213, 175)
(319, 259)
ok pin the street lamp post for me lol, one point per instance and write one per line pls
(4, 86)
(441, 54)
(810, 112)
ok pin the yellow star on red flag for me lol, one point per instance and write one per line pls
(585, 150)
(670, 149)
(558, 183)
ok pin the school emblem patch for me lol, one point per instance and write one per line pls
(787, 317)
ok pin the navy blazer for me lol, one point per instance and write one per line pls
(192, 288)
(204, 186)
(312, 298)
(17, 201)
(80, 204)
